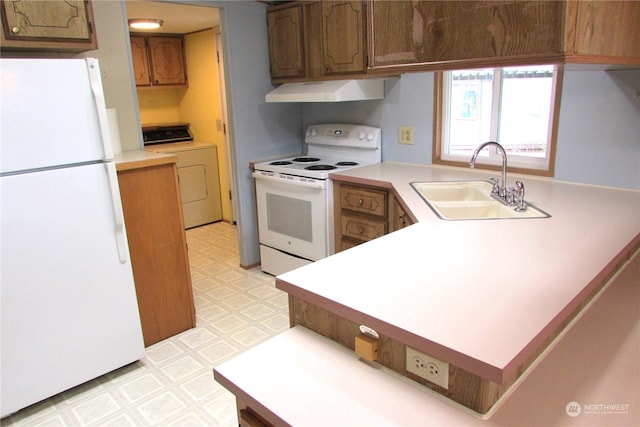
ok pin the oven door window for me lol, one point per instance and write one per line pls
(279, 220)
(293, 218)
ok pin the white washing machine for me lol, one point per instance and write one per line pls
(198, 173)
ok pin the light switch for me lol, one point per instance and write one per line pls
(367, 347)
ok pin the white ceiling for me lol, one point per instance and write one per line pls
(178, 18)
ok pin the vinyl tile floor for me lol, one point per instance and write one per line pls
(173, 384)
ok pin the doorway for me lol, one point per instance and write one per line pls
(202, 103)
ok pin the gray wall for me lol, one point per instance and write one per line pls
(599, 130)
(117, 70)
(257, 130)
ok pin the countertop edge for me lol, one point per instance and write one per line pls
(130, 160)
(499, 374)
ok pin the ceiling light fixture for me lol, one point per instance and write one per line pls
(145, 24)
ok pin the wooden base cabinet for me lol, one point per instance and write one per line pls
(364, 213)
(157, 243)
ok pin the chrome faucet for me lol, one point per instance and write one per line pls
(512, 197)
(472, 164)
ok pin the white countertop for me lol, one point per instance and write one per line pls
(174, 147)
(484, 294)
(299, 378)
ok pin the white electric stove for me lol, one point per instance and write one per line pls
(295, 196)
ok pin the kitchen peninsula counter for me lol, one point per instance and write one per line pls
(484, 295)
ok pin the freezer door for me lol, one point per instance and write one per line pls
(68, 305)
(52, 113)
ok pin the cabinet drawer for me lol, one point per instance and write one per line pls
(362, 228)
(372, 202)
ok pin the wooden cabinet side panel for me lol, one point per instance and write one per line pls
(344, 35)
(66, 26)
(157, 243)
(607, 28)
(313, 39)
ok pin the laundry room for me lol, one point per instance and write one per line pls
(179, 77)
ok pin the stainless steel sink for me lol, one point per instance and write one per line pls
(469, 200)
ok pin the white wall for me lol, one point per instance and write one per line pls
(599, 130)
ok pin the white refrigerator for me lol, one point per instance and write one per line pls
(68, 304)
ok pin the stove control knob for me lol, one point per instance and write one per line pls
(370, 136)
(314, 132)
(362, 135)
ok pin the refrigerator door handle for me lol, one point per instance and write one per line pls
(98, 96)
(118, 216)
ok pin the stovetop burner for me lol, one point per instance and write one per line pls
(330, 148)
(320, 167)
(306, 159)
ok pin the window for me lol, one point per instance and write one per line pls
(514, 106)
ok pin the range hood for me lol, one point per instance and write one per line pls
(328, 91)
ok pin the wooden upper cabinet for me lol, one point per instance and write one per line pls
(604, 32)
(435, 31)
(286, 51)
(140, 58)
(159, 60)
(459, 34)
(56, 25)
(344, 36)
(315, 40)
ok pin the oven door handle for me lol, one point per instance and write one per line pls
(308, 184)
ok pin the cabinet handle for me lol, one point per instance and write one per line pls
(360, 202)
(15, 30)
(361, 230)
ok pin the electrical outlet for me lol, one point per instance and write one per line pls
(405, 135)
(428, 367)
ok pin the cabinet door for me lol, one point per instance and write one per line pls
(432, 31)
(606, 28)
(343, 30)
(166, 56)
(48, 24)
(399, 217)
(140, 61)
(286, 49)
